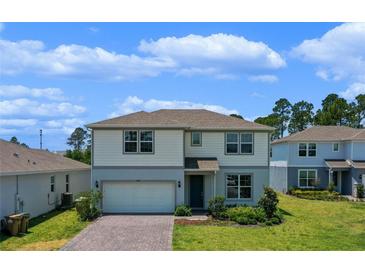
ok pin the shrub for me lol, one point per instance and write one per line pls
(360, 191)
(317, 195)
(269, 202)
(87, 205)
(183, 210)
(216, 206)
(331, 187)
(275, 220)
(246, 215)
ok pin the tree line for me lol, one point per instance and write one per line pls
(334, 111)
(80, 143)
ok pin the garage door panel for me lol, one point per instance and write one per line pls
(138, 197)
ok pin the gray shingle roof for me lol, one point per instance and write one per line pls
(180, 118)
(16, 159)
(325, 133)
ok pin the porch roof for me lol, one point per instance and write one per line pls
(358, 164)
(338, 164)
(201, 164)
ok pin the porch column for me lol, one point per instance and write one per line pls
(330, 176)
(214, 183)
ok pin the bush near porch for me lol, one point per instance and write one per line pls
(316, 194)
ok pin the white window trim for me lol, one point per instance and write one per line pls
(239, 186)
(201, 137)
(307, 170)
(152, 142)
(124, 142)
(307, 150)
(333, 147)
(251, 143)
(237, 143)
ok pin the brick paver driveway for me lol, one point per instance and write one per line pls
(125, 232)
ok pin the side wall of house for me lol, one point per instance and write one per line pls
(279, 178)
(358, 151)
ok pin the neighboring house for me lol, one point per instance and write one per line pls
(318, 155)
(32, 180)
(152, 162)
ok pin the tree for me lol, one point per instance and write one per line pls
(236, 116)
(359, 107)
(335, 112)
(271, 120)
(301, 117)
(77, 139)
(14, 140)
(282, 108)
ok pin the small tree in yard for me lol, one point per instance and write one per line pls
(269, 202)
(216, 206)
(360, 191)
(87, 205)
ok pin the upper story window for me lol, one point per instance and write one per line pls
(138, 141)
(52, 181)
(232, 140)
(239, 143)
(196, 138)
(336, 147)
(307, 150)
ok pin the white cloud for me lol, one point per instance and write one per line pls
(267, 78)
(18, 122)
(66, 126)
(94, 29)
(352, 91)
(339, 53)
(24, 106)
(257, 94)
(222, 56)
(22, 91)
(134, 104)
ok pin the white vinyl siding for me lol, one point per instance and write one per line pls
(168, 149)
(214, 146)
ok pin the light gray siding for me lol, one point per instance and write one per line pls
(34, 193)
(279, 178)
(168, 149)
(213, 145)
(358, 151)
(142, 174)
(280, 152)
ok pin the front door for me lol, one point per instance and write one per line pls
(197, 191)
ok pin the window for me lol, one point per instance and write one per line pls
(196, 138)
(52, 183)
(312, 150)
(307, 177)
(302, 150)
(336, 147)
(246, 143)
(232, 143)
(239, 186)
(67, 183)
(146, 141)
(131, 141)
(307, 150)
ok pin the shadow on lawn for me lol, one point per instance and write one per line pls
(284, 212)
(33, 222)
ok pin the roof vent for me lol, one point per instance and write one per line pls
(16, 155)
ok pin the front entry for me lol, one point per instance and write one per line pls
(197, 191)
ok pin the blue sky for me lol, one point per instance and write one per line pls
(57, 76)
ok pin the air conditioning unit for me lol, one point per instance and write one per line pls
(67, 200)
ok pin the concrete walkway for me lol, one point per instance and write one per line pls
(125, 233)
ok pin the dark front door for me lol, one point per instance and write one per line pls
(196, 191)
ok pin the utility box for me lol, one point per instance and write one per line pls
(67, 200)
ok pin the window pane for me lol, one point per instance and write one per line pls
(130, 135)
(246, 148)
(246, 137)
(303, 182)
(232, 192)
(303, 174)
(245, 192)
(146, 136)
(335, 147)
(311, 181)
(130, 146)
(232, 148)
(311, 174)
(232, 180)
(312, 153)
(146, 146)
(312, 146)
(232, 137)
(302, 153)
(196, 138)
(303, 146)
(245, 180)
(67, 178)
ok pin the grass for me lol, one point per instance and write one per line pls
(47, 232)
(308, 225)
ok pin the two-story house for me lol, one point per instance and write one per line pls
(154, 161)
(317, 156)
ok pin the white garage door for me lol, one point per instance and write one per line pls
(138, 197)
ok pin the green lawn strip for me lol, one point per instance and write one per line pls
(309, 225)
(47, 232)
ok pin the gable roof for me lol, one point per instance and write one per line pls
(325, 133)
(16, 159)
(180, 118)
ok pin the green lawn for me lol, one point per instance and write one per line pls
(309, 225)
(47, 232)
